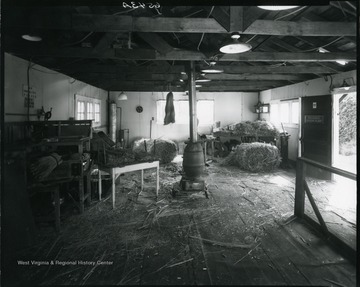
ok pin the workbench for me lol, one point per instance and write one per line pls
(115, 172)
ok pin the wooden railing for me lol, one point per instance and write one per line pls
(302, 188)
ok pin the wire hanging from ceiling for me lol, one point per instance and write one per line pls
(342, 9)
(293, 12)
(202, 36)
(322, 46)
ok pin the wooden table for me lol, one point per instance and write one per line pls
(115, 172)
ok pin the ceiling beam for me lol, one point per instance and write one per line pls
(261, 77)
(157, 42)
(288, 28)
(236, 19)
(233, 69)
(110, 69)
(221, 88)
(177, 55)
(105, 23)
(117, 23)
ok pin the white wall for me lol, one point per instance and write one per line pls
(52, 90)
(230, 107)
(316, 87)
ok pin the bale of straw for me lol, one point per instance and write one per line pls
(165, 150)
(142, 147)
(254, 157)
(256, 128)
(161, 149)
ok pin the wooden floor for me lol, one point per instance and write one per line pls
(243, 234)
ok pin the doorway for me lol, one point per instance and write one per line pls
(315, 140)
(344, 131)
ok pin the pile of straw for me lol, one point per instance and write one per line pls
(162, 149)
(256, 128)
(254, 157)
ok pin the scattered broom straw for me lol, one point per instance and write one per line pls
(57, 239)
(223, 244)
(247, 254)
(121, 282)
(86, 277)
(179, 263)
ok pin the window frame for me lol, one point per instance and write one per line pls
(277, 110)
(160, 119)
(88, 102)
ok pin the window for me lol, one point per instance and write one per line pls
(97, 113)
(285, 112)
(88, 109)
(80, 114)
(205, 112)
(274, 114)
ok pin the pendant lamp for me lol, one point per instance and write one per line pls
(202, 79)
(277, 8)
(234, 46)
(122, 96)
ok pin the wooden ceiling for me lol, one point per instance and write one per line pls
(148, 48)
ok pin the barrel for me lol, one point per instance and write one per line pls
(193, 160)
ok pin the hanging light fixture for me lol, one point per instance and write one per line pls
(202, 79)
(31, 37)
(211, 69)
(122, 96)
(277, 8)
(234, 46)
(341, 62)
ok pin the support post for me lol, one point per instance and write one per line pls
(315, 208)
(192, 103)
(299, 189)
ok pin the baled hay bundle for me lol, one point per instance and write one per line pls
(142, 147)
(265, 129)
(161, 149)
(256, 128)
(165, 150)
(255, 157)
(244, 128)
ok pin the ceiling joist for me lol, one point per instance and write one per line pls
(116, 23)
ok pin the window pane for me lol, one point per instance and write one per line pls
(97, 113)
(160, 111)
(284, 112)
(274, 114)
(205, 112)
(181, 112)
(89, 111)
(80, 115)
(295, 112)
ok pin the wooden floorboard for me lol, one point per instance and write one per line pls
(243, 234)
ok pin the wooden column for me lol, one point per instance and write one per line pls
(299, 189)
(192, 103)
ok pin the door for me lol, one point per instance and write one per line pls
(316, 130)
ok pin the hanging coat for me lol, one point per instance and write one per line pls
(169, 109)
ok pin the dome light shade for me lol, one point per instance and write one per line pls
(122, 96)
(202, 79)
(277, 8)
(32, 38)
(212, 70)
(234, 47)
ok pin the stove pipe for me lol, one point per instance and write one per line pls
(193, 158)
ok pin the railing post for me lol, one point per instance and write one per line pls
(299, 189)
